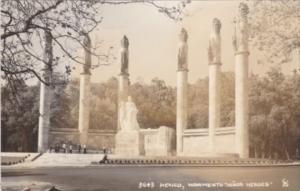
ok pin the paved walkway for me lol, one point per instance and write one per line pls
(134, 178)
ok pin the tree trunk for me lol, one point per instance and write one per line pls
(286, 152)
(255, 153)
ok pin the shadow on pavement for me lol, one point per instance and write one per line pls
(18, 174)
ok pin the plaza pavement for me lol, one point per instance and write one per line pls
(131, 178)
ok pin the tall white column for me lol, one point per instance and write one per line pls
(84, 97)
(214, 60)
(123, 88)
(240, 42)
(123, 93)
(182, 88)
(45, 96)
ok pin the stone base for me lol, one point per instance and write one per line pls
(159, 142)
(128, 143)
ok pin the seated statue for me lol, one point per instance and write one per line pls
(128, 116)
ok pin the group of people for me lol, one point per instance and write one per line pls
(65, 148)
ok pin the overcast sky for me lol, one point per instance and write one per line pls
(153, 40)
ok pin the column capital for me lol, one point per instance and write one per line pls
(242, 52)
(183, 70)
(86, 73)
(124, 75)
(215, 63)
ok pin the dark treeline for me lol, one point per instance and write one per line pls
(274, 110)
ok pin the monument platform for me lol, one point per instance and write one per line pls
(86, 160)
(128, 143)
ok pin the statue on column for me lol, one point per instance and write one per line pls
(183, 50)
(124, 55)
(214, 49)
(87, 54)
(128, 116)
(240, 38)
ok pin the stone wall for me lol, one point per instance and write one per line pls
(196, 142)
(159, 142)
(97, 139)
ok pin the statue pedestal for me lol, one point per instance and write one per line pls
(128, 143)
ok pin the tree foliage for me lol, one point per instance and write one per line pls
(19, 121)
(24, 24)
(275, 28)
(275, 111)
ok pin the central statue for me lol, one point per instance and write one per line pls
(128, 139)
(128, 116)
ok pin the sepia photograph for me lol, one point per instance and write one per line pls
(150, 95)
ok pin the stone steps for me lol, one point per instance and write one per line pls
(68, 159)
(65, 159)
(187, 161)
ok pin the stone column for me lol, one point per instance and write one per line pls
(182, 88)
(46, 94)
(240, 44)
(84, 98)
(123, 89)
(214, 60)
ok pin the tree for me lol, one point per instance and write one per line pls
(227, 99)
(198, 96)
(68, 22)
(24, 25)
(275, 28)
(156, 104)
(19, 120)
(274, 114)
(198, 104)
(61, 107)
(103, 113)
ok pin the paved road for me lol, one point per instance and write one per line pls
(123, 178)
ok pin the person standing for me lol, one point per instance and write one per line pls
(84, 149)
(70, 148)
(79, 148)
(64, 148)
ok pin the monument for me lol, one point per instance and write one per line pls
(182, 79)
(45, 95)
(214, 61)
(240, 45)
(128, 139)
(84, 99)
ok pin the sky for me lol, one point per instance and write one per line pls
(153, 40)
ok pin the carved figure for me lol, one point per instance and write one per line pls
(240, 38)
(87, 54)
(124, 55)
(214, 49)
(183, 50)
